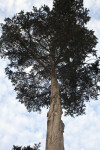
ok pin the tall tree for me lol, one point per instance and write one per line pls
(47, 50)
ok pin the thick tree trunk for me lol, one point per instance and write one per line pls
(55, 126)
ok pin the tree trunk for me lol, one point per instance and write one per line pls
(55, 126)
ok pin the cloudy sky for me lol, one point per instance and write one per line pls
(17, 126)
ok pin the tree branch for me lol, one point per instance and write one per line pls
(39, 41)
(58, 60)
(35, 57)
(41, 63)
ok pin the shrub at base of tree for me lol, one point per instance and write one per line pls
(35, 147)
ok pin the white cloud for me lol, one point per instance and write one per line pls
(17, 126)
(94, 24)
(11, 7)
(94, 4)
(89, 3)
(47, 2)
(83, 132)
(23, 5)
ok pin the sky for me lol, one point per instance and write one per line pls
(19, 127)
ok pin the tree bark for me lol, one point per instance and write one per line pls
(55, 126)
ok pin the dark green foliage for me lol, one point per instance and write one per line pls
(32, 38)
(36, 147)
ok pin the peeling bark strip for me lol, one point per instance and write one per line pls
(55, 126)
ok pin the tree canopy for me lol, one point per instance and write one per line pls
(30, 39)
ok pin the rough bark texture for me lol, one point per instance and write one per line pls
(55, 126)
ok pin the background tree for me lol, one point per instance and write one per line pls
(47, 50)
(35, 147)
